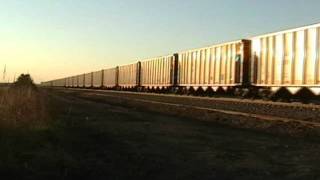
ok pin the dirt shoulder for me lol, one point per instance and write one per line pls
(101, 139)
(204, 111)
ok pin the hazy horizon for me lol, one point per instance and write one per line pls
(54, 39)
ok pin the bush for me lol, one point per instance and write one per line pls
(24, 81)
(22, 103)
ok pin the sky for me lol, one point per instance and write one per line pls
(51, 39)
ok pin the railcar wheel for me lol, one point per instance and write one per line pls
(182, 90)
(265, 94)
(246, 93)
(238, 92)
(174, 90)
(139, 89)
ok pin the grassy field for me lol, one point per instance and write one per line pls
(22, 107)
(78, 138)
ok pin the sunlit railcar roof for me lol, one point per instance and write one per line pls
(286, 31)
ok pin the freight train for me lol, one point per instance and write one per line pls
(275, 65)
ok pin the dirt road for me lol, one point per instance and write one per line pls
(100, 140)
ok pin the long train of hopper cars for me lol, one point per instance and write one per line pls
(277, 65)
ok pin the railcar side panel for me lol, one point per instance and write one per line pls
(88, 79)
(128, 75)
(59, 82)
(97, 78)
(157, 72)
(81, 80)
(216, 66)
(74, 81)
(287, 59)
(110, 77)
(69, 82)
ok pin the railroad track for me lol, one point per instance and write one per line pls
(286, 112)
(232, 112)
(258, 116)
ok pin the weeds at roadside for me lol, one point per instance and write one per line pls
(22, 105)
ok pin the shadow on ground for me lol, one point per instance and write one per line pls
(92, 140)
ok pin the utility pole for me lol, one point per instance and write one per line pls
(4, 73)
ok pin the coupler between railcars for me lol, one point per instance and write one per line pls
(246, 92)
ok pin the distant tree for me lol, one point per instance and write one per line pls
(24, 81)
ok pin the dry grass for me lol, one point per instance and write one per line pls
(22, 107)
